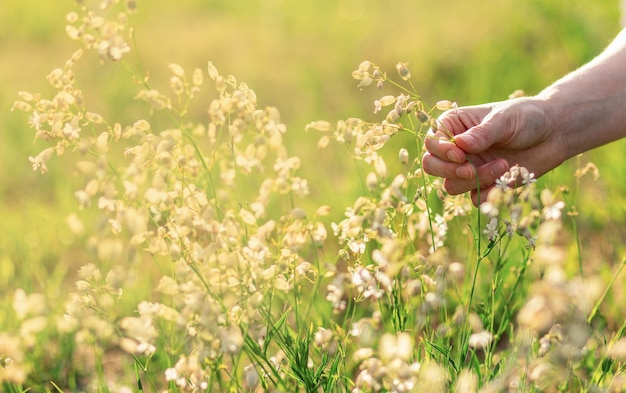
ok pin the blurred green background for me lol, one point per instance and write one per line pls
(297, 56)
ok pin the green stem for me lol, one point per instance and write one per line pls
(596, 307)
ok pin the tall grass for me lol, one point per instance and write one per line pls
(212, 264)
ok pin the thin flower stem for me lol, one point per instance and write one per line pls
(207, 169)
(479, 258)
(411, 91)
(596, 307)
(428, 210)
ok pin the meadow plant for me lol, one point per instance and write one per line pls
(253, 291)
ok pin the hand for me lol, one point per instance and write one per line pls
(473, 146)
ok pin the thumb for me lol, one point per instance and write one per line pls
(478, 138)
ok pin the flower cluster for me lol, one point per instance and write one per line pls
(391, 369)
(95, 28)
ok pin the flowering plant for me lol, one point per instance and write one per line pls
(253, 290)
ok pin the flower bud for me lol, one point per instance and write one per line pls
(403, 71)
(444, 105)
(403, 156)
(177, 85)
(422, 116)
(177, 70)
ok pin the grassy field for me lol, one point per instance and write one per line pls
(263, 296)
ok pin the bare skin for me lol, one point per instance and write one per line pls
(581, 111)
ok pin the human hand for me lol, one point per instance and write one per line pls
(473, 146)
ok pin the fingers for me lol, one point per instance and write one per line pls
(452, 125)
(460, 133)
(463, 178)
(442, 147)
(479, 198)
(436, 166)
(486, 175)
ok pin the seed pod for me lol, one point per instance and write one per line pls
(403, 156)
(422, 116)
(393, 116)
(444, 105)
(403, 71)
(131, 5)
(197, 77)
(177, 70)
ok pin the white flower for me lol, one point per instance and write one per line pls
(489, 209)
(171, 374)
(527, 177)
(491, 230)
(480, 340)
(36, 119)
(39, 161)
(553, 212)
(71, 130)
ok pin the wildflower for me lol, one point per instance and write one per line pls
(232, 340)
(504, 182)
(250, 377)
(467, 382)
(383, 101)
(536, 314)
(335, 294)
(75, 225)
(25, 305)
(403, 71)
(362, 74)
(393, 116)
(362, 354)
(37, 119)
(457, 271)
(371, 181)
(525, 233)
(326, 340)
(403, 156)
(551, 208)
(480, 340)
(491, 230)
(398, 346)
(366, 283)
(171, 374)
(423, 117)
(513, 175)
(432, 378)
(527, 177)
(319, 125)
(456, 206)
(39, 161)
(357, 247)
(590, 167)
(444, 105)
(140, 329)
(177, 85)
(12, 369)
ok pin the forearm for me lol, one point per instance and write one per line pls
(588, 106)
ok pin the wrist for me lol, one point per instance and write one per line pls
(559, 125)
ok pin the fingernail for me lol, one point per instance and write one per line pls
(498, 168)
(465, 172)
(454, 157)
